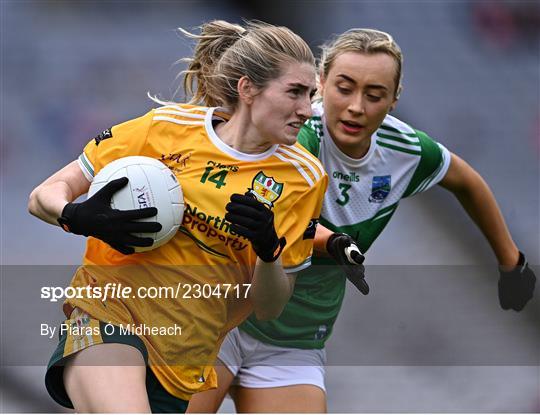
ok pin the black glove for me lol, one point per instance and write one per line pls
(95, 217)
(516, 287)
(345, 252)
(253, 220)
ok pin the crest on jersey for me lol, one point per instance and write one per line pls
(266, 189)
(380, 187)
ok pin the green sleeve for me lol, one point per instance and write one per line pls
(310, 135)
(431, 162)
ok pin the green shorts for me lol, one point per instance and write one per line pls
(160, 400)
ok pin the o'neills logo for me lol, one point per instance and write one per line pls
(196, 221)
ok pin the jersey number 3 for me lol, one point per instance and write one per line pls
(343, 199)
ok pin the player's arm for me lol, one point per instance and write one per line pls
(517, 280)
(49, 199)
(52, 201)
(344, 250)
(479, 202)
(271, 289)
(321, 239)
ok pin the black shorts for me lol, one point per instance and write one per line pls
(160, 400)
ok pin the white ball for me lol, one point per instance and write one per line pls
(151, 184)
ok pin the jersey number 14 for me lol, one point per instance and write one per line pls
(217, 178)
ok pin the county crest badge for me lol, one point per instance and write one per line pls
(380, 187)
(266, 189)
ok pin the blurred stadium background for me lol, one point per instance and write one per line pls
(70, 69)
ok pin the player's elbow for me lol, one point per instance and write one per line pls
(471, 186)
(33, 202)
(461, 179)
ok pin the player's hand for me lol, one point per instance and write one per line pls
(95, 217)
(253, 220)
(345, 252)
(516, 287)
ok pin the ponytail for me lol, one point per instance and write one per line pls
(215, 38)
(226, 52)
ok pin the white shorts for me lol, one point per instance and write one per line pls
(260, 365)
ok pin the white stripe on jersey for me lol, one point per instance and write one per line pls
(181, 113)
(432, 177)
(296, 157)
(427, 181)
(441, 171)
(398, 144)
(384, 214)
(412, 140)
(86, 167)
(300, 169)
(309, 156)
(300, 267)
(180, 108)
(391, 121)
(174, 120)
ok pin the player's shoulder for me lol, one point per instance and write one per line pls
(180, 114)
(397, 127)
(394, 124)
(302, 163)
(184, 121)
(396, 136)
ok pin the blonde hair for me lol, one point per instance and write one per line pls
(226, 52)
(368, 41)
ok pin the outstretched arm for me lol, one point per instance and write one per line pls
(321, 239)
(343, 249)
(517, 280)
(477, 199)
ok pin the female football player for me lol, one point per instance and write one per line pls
(250, 195)
(373, 161)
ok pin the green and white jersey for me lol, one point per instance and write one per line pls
(362, 196)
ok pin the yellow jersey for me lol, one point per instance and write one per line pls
(205, 253)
